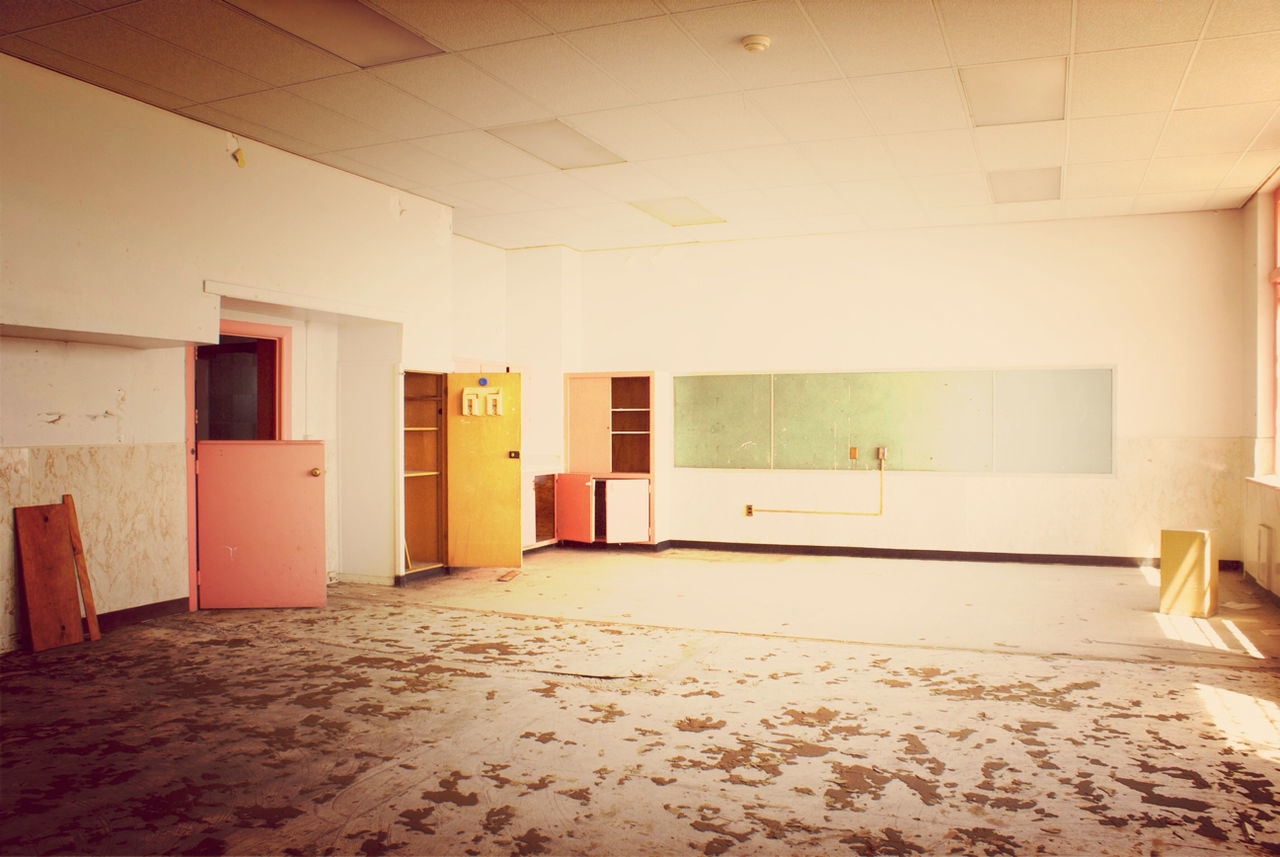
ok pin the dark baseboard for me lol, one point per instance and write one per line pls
(134, 615)
(943, 555)
(600, 546)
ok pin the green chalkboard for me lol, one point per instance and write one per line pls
(1009, 421)
(723, 421)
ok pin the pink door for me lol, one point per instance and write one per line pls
(260, 523)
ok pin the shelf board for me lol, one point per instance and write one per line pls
(409, 473)
(629, 432)
(631, 410)
(422, 428)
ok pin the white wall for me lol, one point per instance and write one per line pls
(1155, 297)
(123, 220)
(479, 310)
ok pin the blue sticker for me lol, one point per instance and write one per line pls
(484, 382)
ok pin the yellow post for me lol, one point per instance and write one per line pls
(1188, 573)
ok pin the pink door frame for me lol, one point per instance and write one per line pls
(283, 337)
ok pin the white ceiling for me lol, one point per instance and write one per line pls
(857, 117)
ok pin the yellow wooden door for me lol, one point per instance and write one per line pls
(482, 451)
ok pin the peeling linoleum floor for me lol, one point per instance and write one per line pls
(585, 708)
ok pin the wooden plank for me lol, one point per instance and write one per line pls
(48, 576)
(82, 568)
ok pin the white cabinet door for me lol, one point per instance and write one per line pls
(626, 510)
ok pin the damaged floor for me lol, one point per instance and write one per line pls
(680, 703)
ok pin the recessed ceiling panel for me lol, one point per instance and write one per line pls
(1021, 147)
(1024, 91)
(637, 133)
(678, 211)
(347, 28)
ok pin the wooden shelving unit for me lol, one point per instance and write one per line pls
(424, 477)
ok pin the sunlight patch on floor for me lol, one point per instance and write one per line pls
(1251, 724)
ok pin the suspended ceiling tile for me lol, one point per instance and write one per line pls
(1233, 71)
(416, 165)
(805, 201)
(17, 15)
(341, 161)
(559, 189)
(1137, 80)
(503, 230)
(931, 153)
(1213, 130)
(1170, 203)
(552, 73)
(1229, 198)
(636, 133)
(718, 122)
(1114, 138)
(462, 90)
(796, 55)
(690, 5)
(1239, 17)
(1105, 24)
(1021, 147)
(1187, 174)
(457, 26)
(813, 111)
(772, 166)
(854, 159)
(226, 35)
(562, 17)
(111, 45)
(653, 58)
(622, 182)
(951, 190)
(484, 154)
(1099, 206)
(253, 130)
(376, 103)
(494, 195)
(912, 101)
(873, 37)
(1253, 168)
(740, 205)
(983, 31)
(696, 173)
(1012, 92)
(60, 62)
(1270, 136)
(1110, 178)
(287, 112)
(882, 202)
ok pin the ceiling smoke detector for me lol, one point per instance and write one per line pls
(756, 44)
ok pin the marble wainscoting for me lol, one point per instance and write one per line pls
(131, 502)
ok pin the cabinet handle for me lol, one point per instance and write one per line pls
(316, 471)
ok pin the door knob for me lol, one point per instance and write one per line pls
(316, 471)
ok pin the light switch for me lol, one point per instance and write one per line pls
(471, 402)
(493, 403)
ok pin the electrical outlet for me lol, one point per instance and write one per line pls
(750, 510)
(882, 452)
(853, 453)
